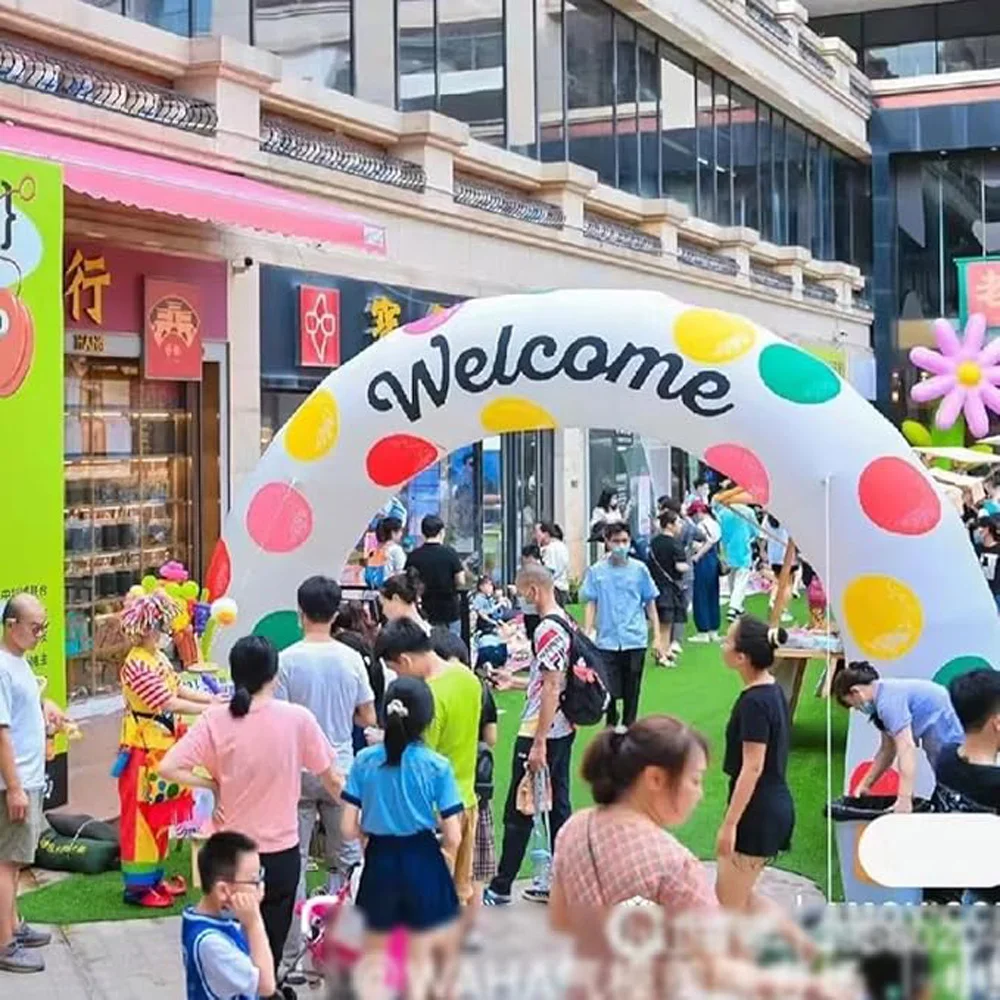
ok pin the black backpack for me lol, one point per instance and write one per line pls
(585, 697)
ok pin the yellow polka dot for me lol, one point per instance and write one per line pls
(713, 337)
(883, 616)
(512, 413)
(314, 427)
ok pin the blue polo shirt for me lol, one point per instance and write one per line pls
(621, 592)
(738, 534)
(404, 800)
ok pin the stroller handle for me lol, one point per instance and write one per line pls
(314, 903)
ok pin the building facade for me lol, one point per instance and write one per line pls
(309, 176)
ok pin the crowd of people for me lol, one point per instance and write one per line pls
(378, 727)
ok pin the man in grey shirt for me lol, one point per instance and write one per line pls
(330, 679)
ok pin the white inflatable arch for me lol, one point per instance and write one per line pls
(904, 583)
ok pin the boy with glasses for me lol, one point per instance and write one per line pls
(226, 953)
(24, 718)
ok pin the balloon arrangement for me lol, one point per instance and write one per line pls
(198, 616)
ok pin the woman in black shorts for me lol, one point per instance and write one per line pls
(761, 816)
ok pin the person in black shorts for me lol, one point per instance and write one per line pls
(667, 564)
(760, 818)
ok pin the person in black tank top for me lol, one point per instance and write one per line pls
(760, 818)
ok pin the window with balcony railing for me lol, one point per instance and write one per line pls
(923, 40)
(186, 17)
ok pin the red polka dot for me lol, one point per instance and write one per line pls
(398, 458)
(220, 571)
(897, 497)
(743, 467)
(279, 518)
(888, 784)
(431, 321)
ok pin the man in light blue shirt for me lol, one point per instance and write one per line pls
(620, 598)
(738, 524)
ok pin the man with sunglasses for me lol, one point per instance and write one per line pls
(23, 721)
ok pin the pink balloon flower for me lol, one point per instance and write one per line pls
(964, 372)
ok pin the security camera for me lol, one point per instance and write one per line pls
(241, 264)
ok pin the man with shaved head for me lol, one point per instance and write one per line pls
(22, 773)
(545, 736)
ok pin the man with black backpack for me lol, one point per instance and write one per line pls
(545, 736)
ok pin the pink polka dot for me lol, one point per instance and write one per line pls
(743, 467)
(888, 784)
(219, 574)
(279, 518)
(897, 497)
(431, 321)
(398, 458)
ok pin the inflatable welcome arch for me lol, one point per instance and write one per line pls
(904, 583)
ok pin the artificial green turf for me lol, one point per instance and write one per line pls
(701, 691)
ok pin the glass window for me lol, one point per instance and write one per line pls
(861, 214)
(956, 55)
(471, 66)
(590, 87)
(723, 154)
(765, 172)
(706, 145)
(798, 186)
(918, 215)
(991, 196)
(779, 179)
(899, 25)
(887, 62)
(743, 137)
(813, 230)
(824, 203)
(626, 105)
(649, 95)
(843, 205)
(961, 219)
(182, 17)
(550, 84)
(677, 126)
(313, 38)
(416, 54)
(845, 26)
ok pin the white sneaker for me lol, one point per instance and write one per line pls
(714, 637)
(700, 637)
(676, 648)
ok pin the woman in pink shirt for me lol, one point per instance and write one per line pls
(255, 750)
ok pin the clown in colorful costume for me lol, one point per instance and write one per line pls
(150, 726)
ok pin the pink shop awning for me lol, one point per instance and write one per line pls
(156, 184)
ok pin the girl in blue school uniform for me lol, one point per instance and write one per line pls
(399, 794)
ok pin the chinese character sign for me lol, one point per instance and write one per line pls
(384, 314)
(31, 406)
(172, 339)
(319, 327)
(979, 287)
(86, 279)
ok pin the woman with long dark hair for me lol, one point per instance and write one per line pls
(705, 559)
(398, 793)
(255, 750)
(400, 598)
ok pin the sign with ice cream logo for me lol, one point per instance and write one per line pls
(31, 413)
(172, 337)
(319, 327)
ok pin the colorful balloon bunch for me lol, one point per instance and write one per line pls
(196, 617)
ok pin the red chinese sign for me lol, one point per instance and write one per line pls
(172, 337)
(319, 327)
(980, 280)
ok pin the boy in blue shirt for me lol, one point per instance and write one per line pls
(226, 953)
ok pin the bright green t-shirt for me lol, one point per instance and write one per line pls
(454, 731)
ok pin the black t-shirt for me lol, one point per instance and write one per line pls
(965, 787)
(665, 552)
(989, 559)
(437, 565)
(760, 715)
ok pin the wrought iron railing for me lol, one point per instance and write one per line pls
(105, 87)
(696, 256)
(596, 227)
(814, 57)
(770, 279)
(338, 152)
(821, 293)
(764, 16)
(505, 201)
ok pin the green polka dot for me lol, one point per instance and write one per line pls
(281, 627)
(796, 376)
(960, 665)
(173, 791)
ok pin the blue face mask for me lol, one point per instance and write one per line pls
(867, 709)
(620, 551)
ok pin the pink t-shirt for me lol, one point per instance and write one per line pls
(257, 762)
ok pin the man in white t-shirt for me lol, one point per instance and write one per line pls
(555, 555)
(23, 720)
(329, 678)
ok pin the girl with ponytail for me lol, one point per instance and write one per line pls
(254, 751)
(398, 794)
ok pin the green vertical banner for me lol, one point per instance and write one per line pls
(31, 413)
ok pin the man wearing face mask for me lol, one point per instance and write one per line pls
(620, 598)
(908, 712)
(987, 541)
